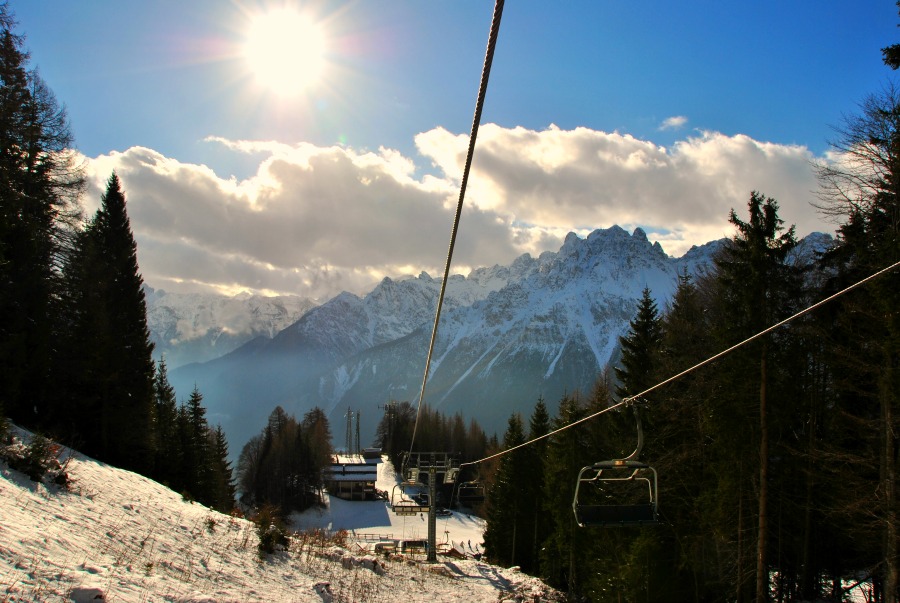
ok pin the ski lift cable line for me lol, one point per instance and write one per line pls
(627, 401)
(479, 105)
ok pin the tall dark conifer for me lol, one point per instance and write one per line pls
(639, 348)
(39, 185)
(128, 396)
(506, 537)
(863, 191)
(197, 458)
(110, 371)
(169, 454)
(223, 487)
(756, 286)
(539, 425)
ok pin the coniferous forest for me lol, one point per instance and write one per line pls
(75, 353)
(777, 461)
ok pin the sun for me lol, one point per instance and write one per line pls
(285, 51)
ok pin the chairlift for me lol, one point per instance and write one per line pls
(619, 492)
(451, 475)
(406, 501)
(470, 493)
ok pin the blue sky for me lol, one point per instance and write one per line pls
(654, 114)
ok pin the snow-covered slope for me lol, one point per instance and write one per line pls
(199, 327)
(117, 536)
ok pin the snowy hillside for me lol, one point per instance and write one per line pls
(117, 536)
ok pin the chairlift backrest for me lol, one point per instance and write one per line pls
(470, 493)
(619, 492)
(616, 494)
(405, 502)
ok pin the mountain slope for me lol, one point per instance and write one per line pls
(508, 335)
(199, 327)
(118, 536)
(549, 333)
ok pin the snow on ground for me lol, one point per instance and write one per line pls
(117, 536)
(366, 519)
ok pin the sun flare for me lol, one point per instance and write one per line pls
(285, 51)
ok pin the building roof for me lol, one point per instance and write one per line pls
(346, 472)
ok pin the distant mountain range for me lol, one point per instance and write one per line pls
(193, 327)
(508, 335)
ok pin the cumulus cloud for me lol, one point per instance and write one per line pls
(315, 221)
(676, 122)
(560, 180)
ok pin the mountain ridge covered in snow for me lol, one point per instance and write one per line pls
(540, 327)
(195, 327)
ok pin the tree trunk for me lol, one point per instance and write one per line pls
(739, 595)
(889, 485)
(762, 572)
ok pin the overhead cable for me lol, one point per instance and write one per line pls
(630, 399)
(479, 105)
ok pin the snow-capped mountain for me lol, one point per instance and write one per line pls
(193, 327)
(550, 331)
(508, 335)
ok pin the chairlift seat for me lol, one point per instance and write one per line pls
(403, 503)
(470, 493)
(616, 515)
(609, 474)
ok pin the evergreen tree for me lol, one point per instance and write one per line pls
(197, 457)
(677, 444)
(639, 348)
(223, 487)
(394, 431)
(169, 454)
(863, 191)
(109, 343)
(39, 185)
(756, 285)
(505, 533)
(572, 558)
(532, 488)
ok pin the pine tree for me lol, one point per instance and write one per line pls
(756, 285)
(532, 488)
(169, 454)
(506, 533)
(198, 457)
(115, 369)
(576, 559)
(639, 348)
(863, 191)
(681, 549)
(39, 185)
(223, 487)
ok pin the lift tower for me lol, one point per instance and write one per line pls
(406, 501)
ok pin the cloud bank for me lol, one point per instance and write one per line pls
(315, 221)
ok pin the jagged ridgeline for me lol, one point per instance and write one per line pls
(539, 327)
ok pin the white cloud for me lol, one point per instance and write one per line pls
(314, 221)
(676, 122)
